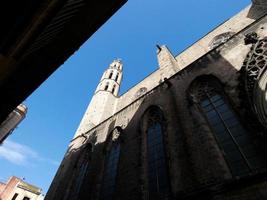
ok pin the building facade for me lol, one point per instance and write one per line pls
(193, 129)
(17, 189)
(12, 121)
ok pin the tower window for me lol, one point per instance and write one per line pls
(110, 75)
(117, 76)
(158, 184)
(110, 172)
(113, 89)
(15, 196)
(106, 87)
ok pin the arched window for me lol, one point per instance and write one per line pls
(113, 89)
(83, 170)
(111, 74)
(111, 165)
(239, 146)
(79, 180)
(158, 183)
(117, 76)
(106, 87)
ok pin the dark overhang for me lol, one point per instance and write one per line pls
(38, 36)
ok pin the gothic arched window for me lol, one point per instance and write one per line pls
(239, 147)
(111, 165)
(158, 183)
(83, 169)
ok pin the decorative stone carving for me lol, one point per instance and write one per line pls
(116, 134)
(141, 91)
(254, 76)
(206, 86)
(155, 116)
(220, 39)
(251, 38)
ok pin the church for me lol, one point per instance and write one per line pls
(196, 128)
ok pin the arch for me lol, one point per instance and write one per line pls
(117, 76)
(106, 86)
(238, 144)
(254, 78)
(112, 151)
(156, 163)
(110, 75)
(113, 89)
(114, 135)
(82, 168)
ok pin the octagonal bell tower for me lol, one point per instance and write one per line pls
(102, 104)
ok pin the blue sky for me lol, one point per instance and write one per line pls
(37, 146)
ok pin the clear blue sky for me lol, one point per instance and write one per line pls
(37, 146)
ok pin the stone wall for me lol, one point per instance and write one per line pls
(196, 165)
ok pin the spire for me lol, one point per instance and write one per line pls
(165, 58)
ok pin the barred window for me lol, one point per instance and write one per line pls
(110, 172)
(158, 183)
(240, 147)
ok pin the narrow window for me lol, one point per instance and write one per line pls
(79, 180)
(117, 76)
(15, 196)
(111, 74)
(110, 172)
(158, 183)
(113, 89)
(106, 87)
(81, 172)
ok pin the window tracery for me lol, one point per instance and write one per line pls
(111, 165)
(158, 183)
(83, 170)
(239, 146)
(254, 76)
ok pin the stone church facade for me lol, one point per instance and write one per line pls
(193, 129)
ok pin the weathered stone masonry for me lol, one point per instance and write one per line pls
(197, 165)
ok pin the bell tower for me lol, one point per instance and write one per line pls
(111, 78)
(103, 102)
